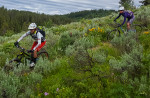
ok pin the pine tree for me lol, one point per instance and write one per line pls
(126, 3)
(145, 2)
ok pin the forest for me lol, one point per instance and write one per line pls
(14, 21)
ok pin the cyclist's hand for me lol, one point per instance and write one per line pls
(16, 44)
(23, 50)
(30, 51)
(119, 25)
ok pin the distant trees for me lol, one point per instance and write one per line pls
(89, 14)
(145, 2)
(14, 21)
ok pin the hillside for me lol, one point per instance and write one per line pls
(82, 63)
(15, 21)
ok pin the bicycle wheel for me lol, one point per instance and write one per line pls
(137, 28)
(113, 33)
(9, 66)
(43, 54)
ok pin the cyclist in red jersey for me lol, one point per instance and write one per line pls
(38, 43)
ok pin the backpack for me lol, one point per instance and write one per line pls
(41, 30)
(130, 12)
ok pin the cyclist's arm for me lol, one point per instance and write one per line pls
(39, 38)
(24, 35)
(117, 16)
(124, 21)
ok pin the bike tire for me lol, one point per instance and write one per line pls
(137, 28)
(43, 54)
(113, 33)
(9, 66)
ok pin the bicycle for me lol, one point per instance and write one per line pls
(115, 32)
(118, 29)
(24, 54)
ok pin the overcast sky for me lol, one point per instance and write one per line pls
(61, 6)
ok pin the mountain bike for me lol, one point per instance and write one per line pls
(118, 29)
(115, 32)
(27, 57)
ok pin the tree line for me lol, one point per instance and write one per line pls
(15, 21)
(129, 4)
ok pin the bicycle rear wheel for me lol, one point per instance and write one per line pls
(113, 33)
(137, 28)
(43, 54)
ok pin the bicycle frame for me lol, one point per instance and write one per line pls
(116, 31)
(119, 26)
(22, 54)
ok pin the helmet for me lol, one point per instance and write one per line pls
(32, 26)
(121, 8)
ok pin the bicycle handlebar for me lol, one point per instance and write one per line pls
(21, 49)
(118, 25)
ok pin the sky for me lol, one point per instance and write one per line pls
(61, 7)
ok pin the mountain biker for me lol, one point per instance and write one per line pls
(127, 15)
(38, 43)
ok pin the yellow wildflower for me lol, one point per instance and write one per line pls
(90, 29)
(25, 74)
(146, 32)
(39, 95)
(93, 28)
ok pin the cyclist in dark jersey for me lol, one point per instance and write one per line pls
(127, 15)
(38, 43)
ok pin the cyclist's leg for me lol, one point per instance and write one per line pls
(41, 46)
(33, 59)
(37, 50)
(130, 21)
(128, 26)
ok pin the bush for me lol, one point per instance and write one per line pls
(143, 15)
(125, 43)
(68, 38)
(79, 52)
(144, 40)
(3, 57)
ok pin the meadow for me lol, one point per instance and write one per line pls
(82, 62)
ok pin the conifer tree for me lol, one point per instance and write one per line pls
(126, 3)
(145, 2)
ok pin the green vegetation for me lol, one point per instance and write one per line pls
(128, 4)
(145, 2)
(82, 63)
(14, 21)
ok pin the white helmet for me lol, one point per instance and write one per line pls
(32, 26)
(121, 8)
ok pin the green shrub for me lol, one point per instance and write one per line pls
(125, 43)
(144, 40)
(143, 15)
(8, 47)
(119, 90)
(3, 57)
(131, 62)
(10, 85)
(79, 52)
(68, 38)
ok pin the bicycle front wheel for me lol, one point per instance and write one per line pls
(113, 33)
(9, 66)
